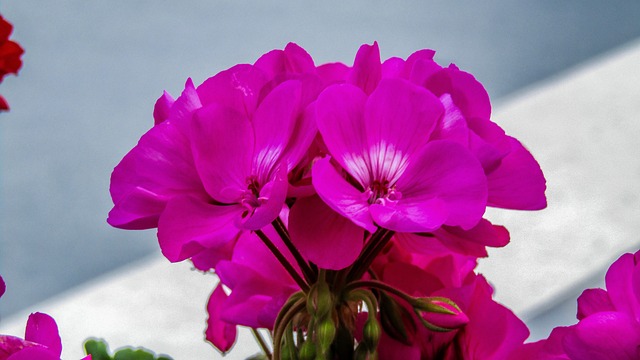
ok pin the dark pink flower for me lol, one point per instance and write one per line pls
(259, 284)
(217, 161)
(609, 321)
(10, 53)
(41, 341)
(491, 331)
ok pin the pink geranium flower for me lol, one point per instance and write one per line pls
(217, 160)
(41, 341)
(258, 285)
(399, 179)
(609, 321)
(490, 331)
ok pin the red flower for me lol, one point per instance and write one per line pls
(10, 53)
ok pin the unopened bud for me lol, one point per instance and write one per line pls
(325, 332)
(440, 314)
(319, 300)
(371, 333)
(308, 350)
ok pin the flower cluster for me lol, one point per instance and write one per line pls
(609, 321)
(10, 53)
(340, 206)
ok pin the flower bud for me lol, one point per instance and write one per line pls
(307, 350)
(325, 333)
(371, 333)
(440, 314)
(319, 300)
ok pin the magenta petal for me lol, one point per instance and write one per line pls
(275, 193)
(593, 301)
(467, 93)
(411, 279)
(210, 257)
(237, 88)
(340, 119)
(13, 344)
(447, 171)
(223, 142)
(620, 285)
(484, 233)
(367, 70)
(162, 109)
(302, 137)
(488, 142)
(333, 73)
(343, 198)
(158, 168)
(187, 103)
(274, 122)
(42, 329)
(605, 336)
(452, 125)
(410, 216)
(507, 331)
(518, 183)
(399, 117)
(219, 333)
(34, 353)
(3, 286)
(420, 67)
(315, 229)
(256, 297)
(437, 244)
(189, 226)
(393, 68)
(293, 59)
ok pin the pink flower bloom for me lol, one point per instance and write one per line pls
(609, 321)
(259, 284)
(400, 180)
(41, 341)
(217, 160)
(491, 331)
(515, 180)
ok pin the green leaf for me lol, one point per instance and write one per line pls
(97, 348)
(130, 354)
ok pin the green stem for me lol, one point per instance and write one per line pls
(377, 242)
(375, 284)
(281, 229)
(283, 260)
(262, 343)
(282, 323)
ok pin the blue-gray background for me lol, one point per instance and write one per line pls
(93, 69)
